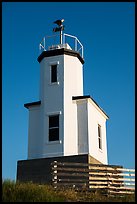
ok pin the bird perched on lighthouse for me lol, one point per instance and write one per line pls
(61, 26)
(59, 22)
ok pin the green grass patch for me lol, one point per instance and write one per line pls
(30, 192)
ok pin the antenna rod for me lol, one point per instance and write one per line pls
(59, 28)
(61, 36)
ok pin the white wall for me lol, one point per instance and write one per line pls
(96, 117)
(89, 116)
(57, 99)
(73, 86)
(78, 119)
(82, 117)
(35, 135)
(51, 96)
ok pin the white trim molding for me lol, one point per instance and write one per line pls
(54, 63)
(54, 113)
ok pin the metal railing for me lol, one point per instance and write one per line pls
(53, 42)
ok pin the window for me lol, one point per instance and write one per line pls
(54, 128)
(53, 73)
(99, 137)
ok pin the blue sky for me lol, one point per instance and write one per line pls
(107, 32)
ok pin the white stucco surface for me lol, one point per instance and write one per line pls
(73, 86)
(89, 117)
(52, 99)
(78, 119)
(35, 134)
(95, 118)
(82, 126)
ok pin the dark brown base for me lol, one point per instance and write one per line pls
(39, 170)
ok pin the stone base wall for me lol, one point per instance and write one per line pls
(39, 170)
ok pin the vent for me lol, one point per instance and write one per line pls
(54, 47)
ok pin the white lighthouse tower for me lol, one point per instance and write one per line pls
(64, 123)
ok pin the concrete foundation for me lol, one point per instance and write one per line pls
(39, 170)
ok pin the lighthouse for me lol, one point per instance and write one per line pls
(64, 124)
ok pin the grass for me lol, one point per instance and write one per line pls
(30, 192)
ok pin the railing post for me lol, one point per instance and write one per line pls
(44, 42)
(75, 44)
(63, 38)
(39, 48)
(82, 52)
(54, 170)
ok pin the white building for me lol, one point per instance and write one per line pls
(64, 122)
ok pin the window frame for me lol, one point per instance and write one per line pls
(51, 74)
(99, 137)
(53, 128)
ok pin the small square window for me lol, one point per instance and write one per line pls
(53, 73)
(54, 128)
(99, 137)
